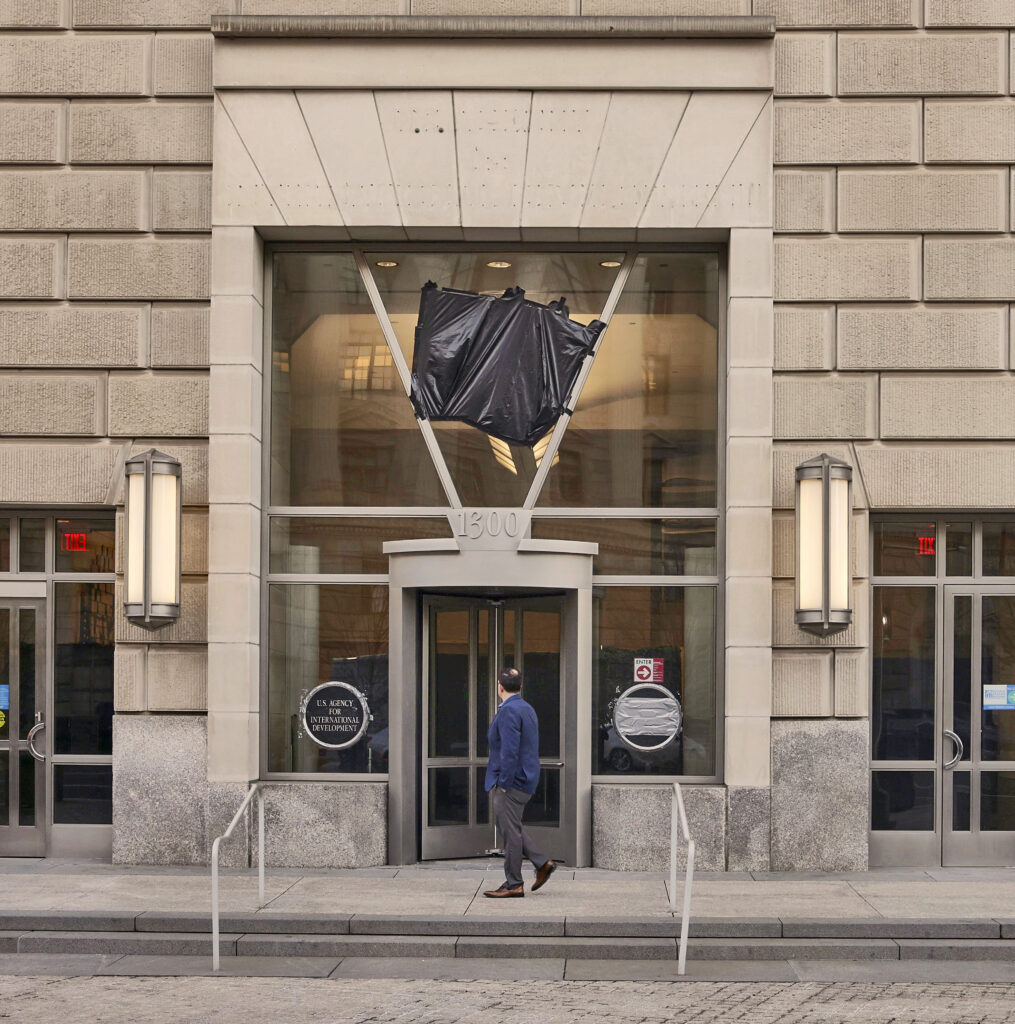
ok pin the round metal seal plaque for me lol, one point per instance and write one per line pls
(335, 715)
(645, 713)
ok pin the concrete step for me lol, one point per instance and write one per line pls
(498, 947)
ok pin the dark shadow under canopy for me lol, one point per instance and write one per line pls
(503, 364)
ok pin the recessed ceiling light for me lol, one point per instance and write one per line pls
(387, 263)
(609, 264)
(498, 264)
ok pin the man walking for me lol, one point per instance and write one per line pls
(512, 774)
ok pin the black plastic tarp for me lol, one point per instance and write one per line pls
(503, 363)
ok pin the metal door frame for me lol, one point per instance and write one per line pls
(29, 840)
(559, 837)
(971, 848)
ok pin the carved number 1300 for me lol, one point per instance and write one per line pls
(475, 523)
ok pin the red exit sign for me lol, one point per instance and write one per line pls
(926, 545)
(75, 542)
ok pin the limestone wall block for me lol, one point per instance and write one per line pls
(58, 474)
(234, 602)
(183, 64)
(170, 404)
(802, 684)
(786, 457)
(328, 7)
(234, 677)
(749, 332)
(969, 14)
(167, 268)
(33, 133)
(749, 401)
(749, 471)
(804, 337)
(178, 678)
(937, 63)
(922, 337)
(805, 200)
(915, 406)
(904, 200)
(193, 456)
(852, 684)
(970, 131)
(181, 201)
(748, 741)
(190, 628)
(34, 335)
(235, 400)
(130, 677)
(154, 13)
(234, 469)
(847, 268)
(180, 335)
(786, 633)
(649, 7)
(969, 268)
(848, 132)
(748, 681)
(73, 201)
(805, 64)
(171, 132)
(749, 542)
(840, 13)
(509, 7)
(38, 14)
(938, 476)
(825, 405)
(748, 599)
(31, 268)
(59, 404)
(74, 65)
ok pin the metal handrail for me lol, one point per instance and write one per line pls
(679, 815)
(255, 788)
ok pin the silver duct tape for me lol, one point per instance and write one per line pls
(647, 716)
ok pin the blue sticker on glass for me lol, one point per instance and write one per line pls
(5, 697)
(999, 698)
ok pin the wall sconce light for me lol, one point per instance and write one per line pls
(824, 502)
(154, 499)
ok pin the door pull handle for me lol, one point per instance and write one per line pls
(32, 733)
(959, 750)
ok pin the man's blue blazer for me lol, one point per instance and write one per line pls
(514, 747)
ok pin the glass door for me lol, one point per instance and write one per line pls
(978, 760)
(23, 741)
(467, 642)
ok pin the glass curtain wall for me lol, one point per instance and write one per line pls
(350, 467)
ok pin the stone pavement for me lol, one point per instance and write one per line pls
(351, 1001)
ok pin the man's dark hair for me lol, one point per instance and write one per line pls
(511, 680)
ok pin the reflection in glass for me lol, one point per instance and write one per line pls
(483, 809)
(544, 807)
(85, 545)
(905, 549)
(486, 689)
(5, 545)
(541, 675)
(902, 801)
(342, 427)
(26, 788)
(959, 553)
(960, 801)
(315, 634)
(644, 430)
(5, 673)
(999, 549)
(449, 685)
(675, 625)
(5, 787)
(640, 547)
(997, 666)
(83, 794)
(448, 798)
(486, 470)
(83, 669)
(26, 669)
(962, 667)
(997, 801)
(343, 544)
(902, 720)
(32, 545)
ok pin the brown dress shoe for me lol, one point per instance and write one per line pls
(505, 891)
(542, 874)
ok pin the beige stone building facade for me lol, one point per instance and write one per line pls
(795, 216)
